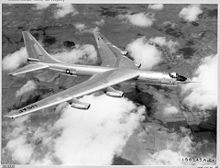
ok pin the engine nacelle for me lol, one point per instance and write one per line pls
(124, 52)
(114, 93)
(79, 105)
(33, 60)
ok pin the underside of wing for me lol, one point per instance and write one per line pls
(95, 83)
(111, 55)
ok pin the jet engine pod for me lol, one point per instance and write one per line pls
(114, 93)
(79, 105)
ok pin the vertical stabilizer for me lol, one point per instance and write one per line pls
(35, 50)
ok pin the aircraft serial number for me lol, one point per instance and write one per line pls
(27, 108)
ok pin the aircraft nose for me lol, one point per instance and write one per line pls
(181, 78)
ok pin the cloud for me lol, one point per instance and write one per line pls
(76, 137)
(80, 26)
(13, 61)
(21, 150)
(166, 105)
(41, 6)
(139, 19)
(100, 22)
(29, 86)
(29, 139)
(64, 9)
(174, 147)
(147, 53)
(85, 54)
(169, 109)
(156, 6)
(164, 157)
(204, 93)
(93, 137)
(190, 13)
(162, 41)
(144, 53)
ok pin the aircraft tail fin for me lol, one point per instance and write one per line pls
(35, 51)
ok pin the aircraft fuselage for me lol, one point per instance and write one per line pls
(150, 77)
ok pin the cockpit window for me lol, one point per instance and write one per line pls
(177, 76)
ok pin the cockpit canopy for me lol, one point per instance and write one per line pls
(177, 76)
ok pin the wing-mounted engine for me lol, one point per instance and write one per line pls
(79, 105)
(33, 60)
(113, 92)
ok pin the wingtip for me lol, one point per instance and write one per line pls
(95, 30)
(11, 74)
(10, 116)
(25, 31)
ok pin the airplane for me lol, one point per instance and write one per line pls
(115, 68)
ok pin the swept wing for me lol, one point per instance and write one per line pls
(95, 83)
(111, 56)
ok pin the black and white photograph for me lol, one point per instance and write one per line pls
(98, 84)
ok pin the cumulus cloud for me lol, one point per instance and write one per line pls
(155, 6)
(64, 9)
(17, 145)
(21, 150)
(100, 22)
(170, 109)
(93, 137)
(166, 106)
(41, 6)
(204, 93)
(165, 157)
(85, 54)
(139, 19)
(80, 26)
(29, 86)
(190, 13)
(76, 137)
(144, 53)
(13, 61)
(174, 147)
(162, 41)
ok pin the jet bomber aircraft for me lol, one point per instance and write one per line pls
(115, 68)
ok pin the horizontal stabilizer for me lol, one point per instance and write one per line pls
(35, 51)
(29, 68)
